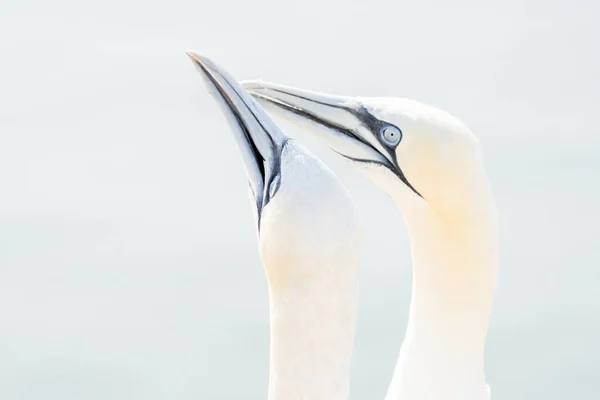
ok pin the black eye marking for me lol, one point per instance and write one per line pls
(376, 126)
(368, 120)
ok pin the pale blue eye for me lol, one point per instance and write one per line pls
(391, 135)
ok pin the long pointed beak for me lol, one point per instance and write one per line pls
(259, 139)
(340, 117)
(348, 127)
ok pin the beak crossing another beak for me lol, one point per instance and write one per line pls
(350, 129)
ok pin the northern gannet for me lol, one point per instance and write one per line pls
(309, 241)
(431, 165)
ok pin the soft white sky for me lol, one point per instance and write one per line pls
(128, 261)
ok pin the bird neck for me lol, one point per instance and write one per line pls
(455, 264)
(312, 332)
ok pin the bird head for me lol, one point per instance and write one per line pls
(305, 217)
(416, 153)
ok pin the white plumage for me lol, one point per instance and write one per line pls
(309, 241)
(436, 177)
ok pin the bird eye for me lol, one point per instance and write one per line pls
(391, 135)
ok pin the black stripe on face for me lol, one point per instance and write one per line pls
(375, 126)
(367, 119)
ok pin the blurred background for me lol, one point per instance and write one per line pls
(128, 259)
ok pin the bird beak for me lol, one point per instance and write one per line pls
(349, 128)
(338, 115)
(259, 139)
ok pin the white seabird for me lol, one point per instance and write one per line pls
(431, 165)
(309, 240)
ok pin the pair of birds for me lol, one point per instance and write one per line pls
(309, 237)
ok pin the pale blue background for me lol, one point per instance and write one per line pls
(128, 260)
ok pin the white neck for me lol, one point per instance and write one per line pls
(312, 332)
(455, 264)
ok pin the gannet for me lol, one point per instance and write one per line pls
(431, 165)
(309, 239)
